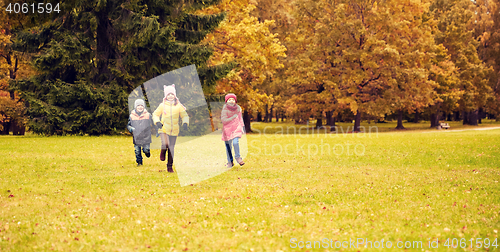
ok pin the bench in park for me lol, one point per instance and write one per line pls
(443, 126)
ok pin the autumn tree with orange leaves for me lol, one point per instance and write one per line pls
(242, 39)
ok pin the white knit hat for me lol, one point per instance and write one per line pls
(139, 102)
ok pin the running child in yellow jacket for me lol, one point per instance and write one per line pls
(166, 118)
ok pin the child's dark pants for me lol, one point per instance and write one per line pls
(138, 154)
(167, 147)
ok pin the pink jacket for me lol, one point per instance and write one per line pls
(232, 123)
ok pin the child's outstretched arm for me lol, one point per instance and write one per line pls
(157, 114)
(225, 119)
(129, 125)
(154, 126)
(184, 116)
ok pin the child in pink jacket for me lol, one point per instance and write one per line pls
(232, 129)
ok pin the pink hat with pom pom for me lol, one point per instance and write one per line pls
(231, 95)
(169, 90)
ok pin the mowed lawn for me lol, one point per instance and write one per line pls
(86, 194)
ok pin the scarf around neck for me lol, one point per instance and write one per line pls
(140, 113)
(233, 107)
(231, 110)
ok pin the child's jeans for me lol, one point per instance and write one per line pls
(138, 154)
(236, 149)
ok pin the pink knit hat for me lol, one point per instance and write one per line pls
(169, 90)
(231, 95)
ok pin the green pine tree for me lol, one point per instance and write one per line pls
(95, 53)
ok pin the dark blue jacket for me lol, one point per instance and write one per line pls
(142, 124)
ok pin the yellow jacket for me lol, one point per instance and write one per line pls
(170, 114)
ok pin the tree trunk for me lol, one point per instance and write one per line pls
(296, 119)
(456, 116)
(417, 117)
(319, 120)
(211, 121)
(17, 129)
(357, 121)
(400, 120)
(104, 49)
(466, 117)
(266, 115)
(435, 117)
(433, 120)
(246, 121)
(438, 117)
(270, 119)
(480, 116)
(12, 124)
(259, 117)
(23, 130)
(330, 120)
(473, 115)
(333, 126)
(6, 128)
(448, 116)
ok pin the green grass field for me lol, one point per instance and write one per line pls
(86, 193)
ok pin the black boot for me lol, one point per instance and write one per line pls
(162, 154)
(170, 162)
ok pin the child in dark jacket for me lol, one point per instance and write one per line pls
(139, 124)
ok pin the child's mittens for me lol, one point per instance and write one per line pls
(159, 125)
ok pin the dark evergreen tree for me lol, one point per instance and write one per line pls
(95, 53)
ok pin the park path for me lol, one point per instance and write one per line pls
(443, 130)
